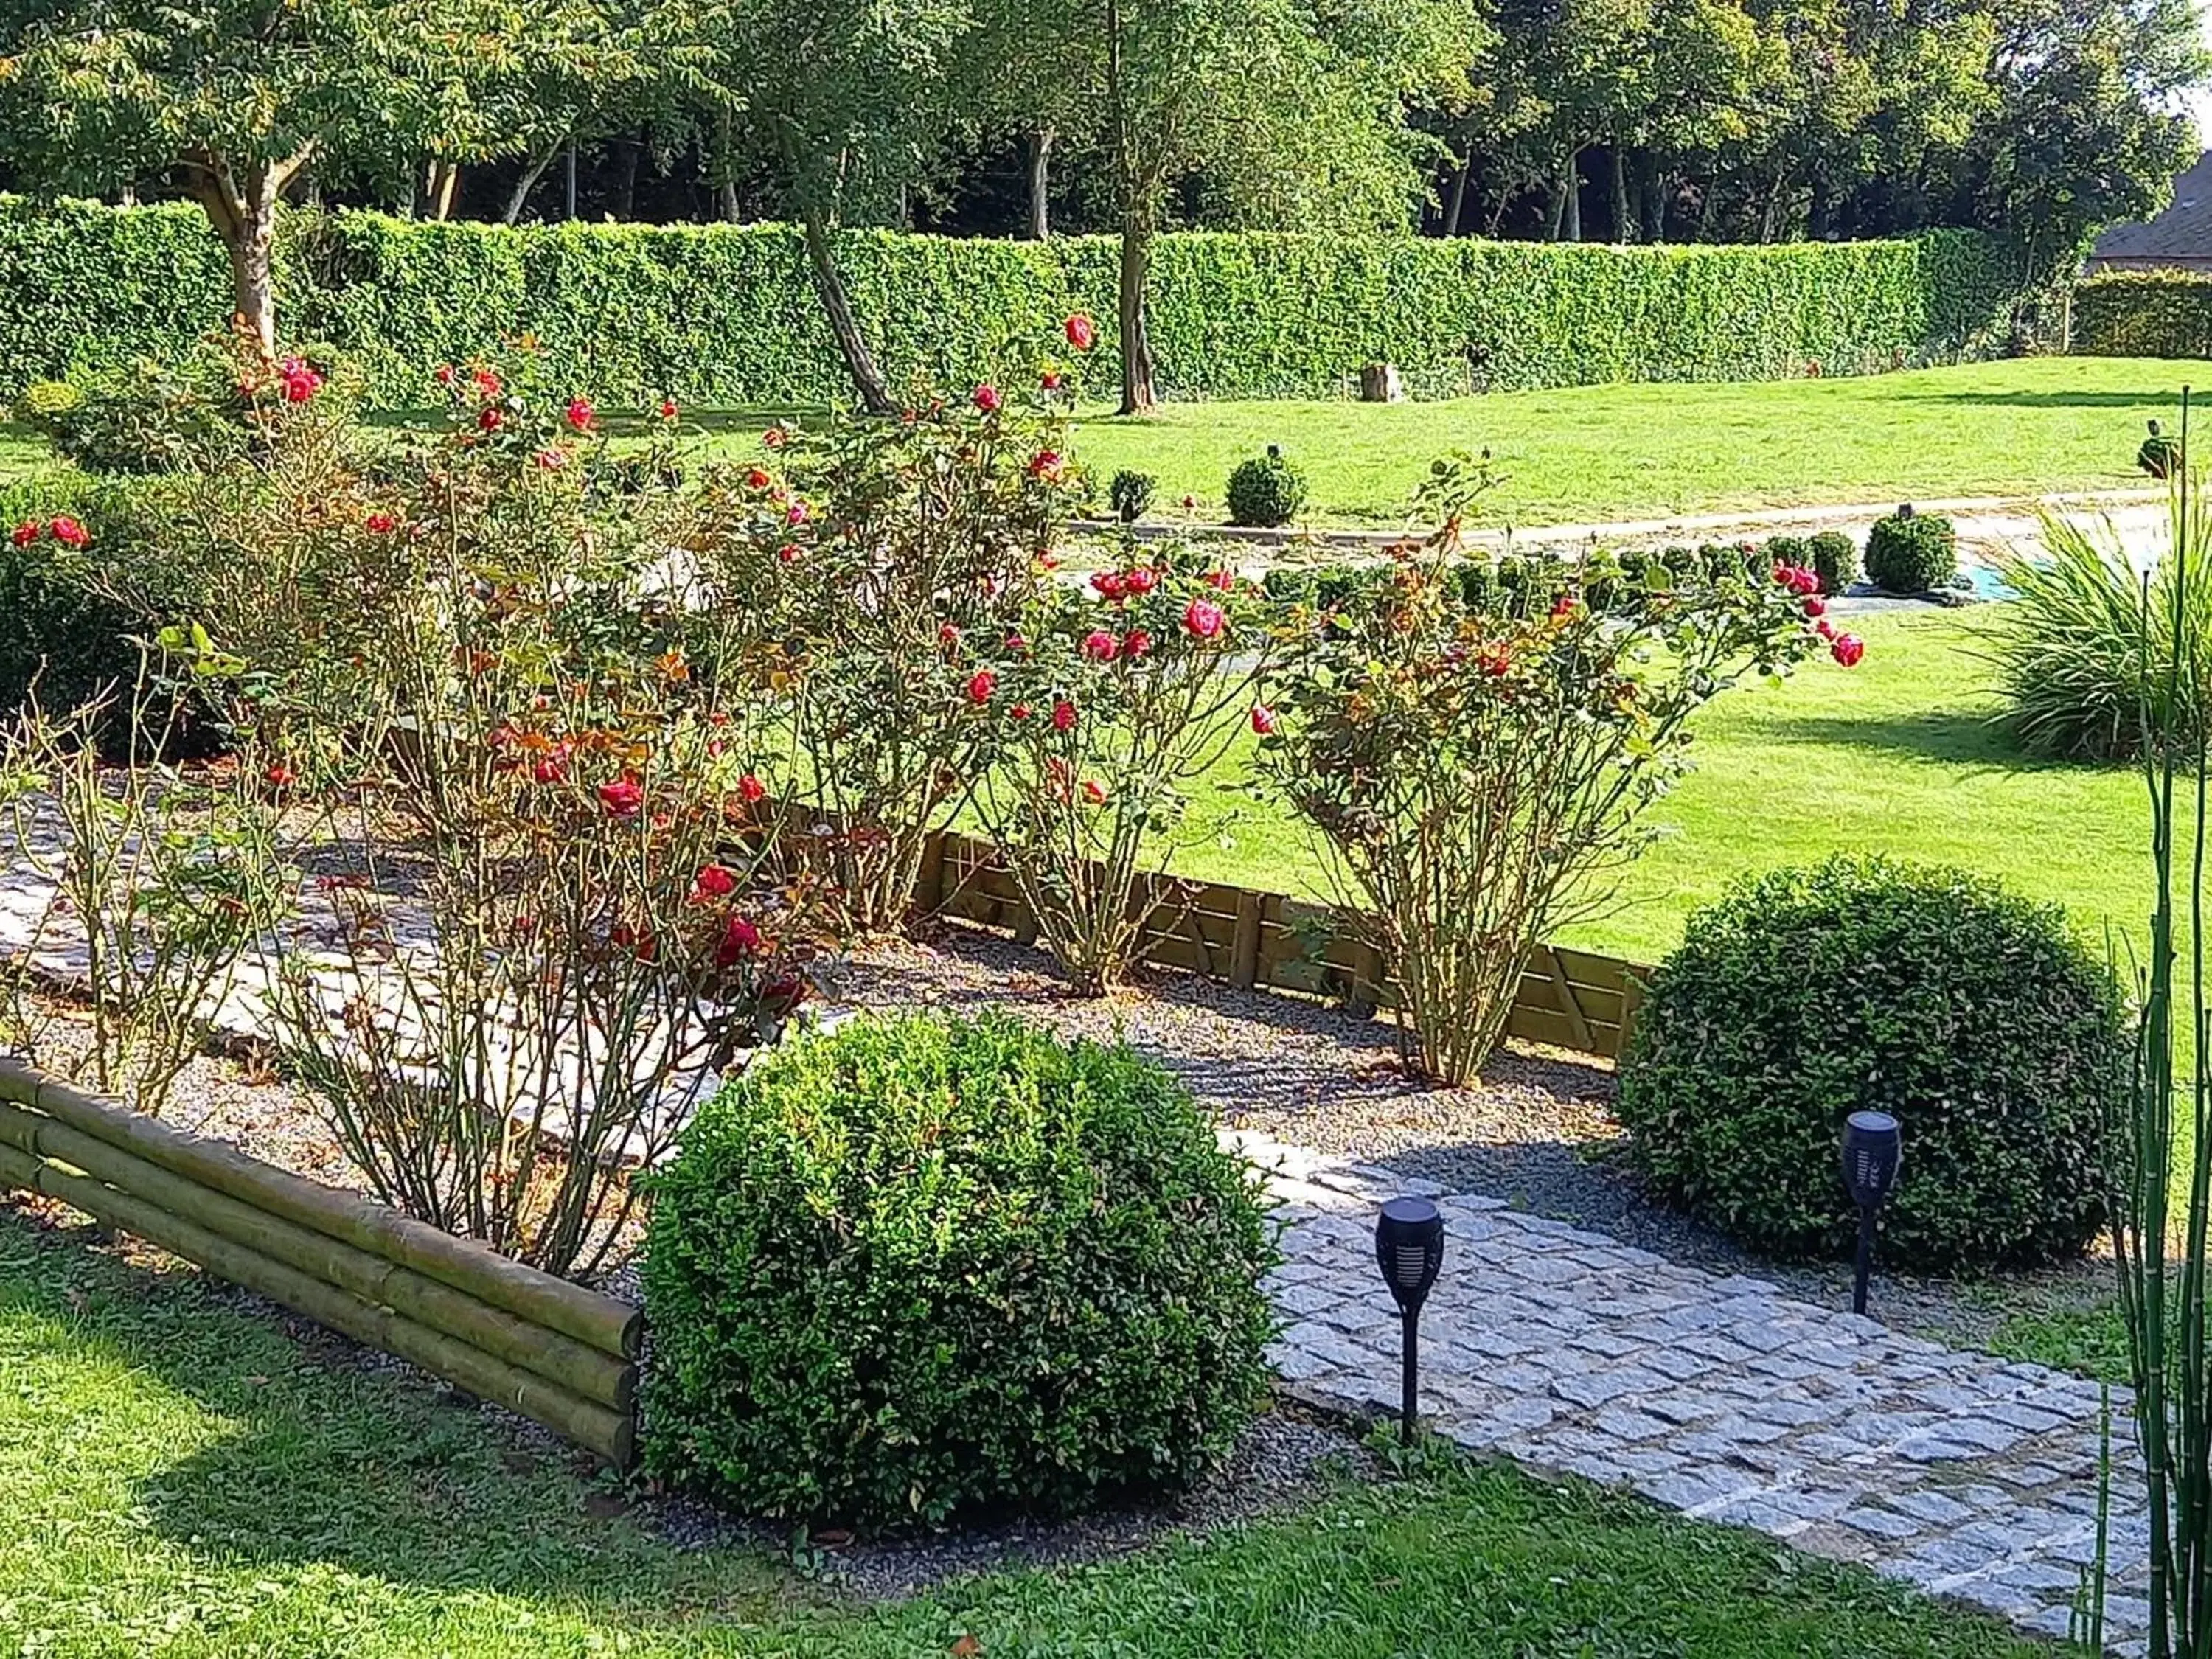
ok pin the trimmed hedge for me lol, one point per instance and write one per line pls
(1935, 995)
(723, 315)
(2142, 314)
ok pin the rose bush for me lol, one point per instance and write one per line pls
(1475, 772)
(1107, 701)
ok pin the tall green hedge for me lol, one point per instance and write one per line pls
(2144, 313)
(724, 314)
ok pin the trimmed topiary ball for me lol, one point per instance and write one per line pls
(1266, 491)
(1967, 1012)
(1911, 552)
(1130, 494)
(922, 1267)
(1834, 558)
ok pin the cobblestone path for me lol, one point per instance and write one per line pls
(1968, 1476)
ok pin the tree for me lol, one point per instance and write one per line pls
(846, 103)
(1296, 110)
(231, 101)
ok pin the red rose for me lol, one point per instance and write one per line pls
(380, 524)
(757, 479)
(1847, 649)
(795, 514)
(1494, 660)
(947, 635)
(740, 938)
(1094, 792)
(1098, 645)
(668, 409)
(980, 684)
(1263, 719)
(712, 881)
(1020, 711)
(1204, 620)
(1018, 646)
(986, 398)
(622, 799)
(788, 552)
(1047, 465)
(489, 419)
(549, 460)
(1142, 580)
(1563, 607)
(579, 414)
(1222, 580)
(1049, 379)
(283, 776)
(1136, 642)
(773, 437)
(1826, 628)
(68, 531)
(26, 532)
(1803, 581)
(445, 375)
(550, 769)
(1816, 606)
(1110, 586)
(1063, 716)
(1081, 331)
(487, 383)
(750, 789)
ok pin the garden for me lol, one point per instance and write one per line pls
(858, 984)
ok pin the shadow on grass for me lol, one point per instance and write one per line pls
(335, 1454)
(1944, 736)
(2044, 400)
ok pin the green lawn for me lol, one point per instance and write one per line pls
(1595, 454)
(1896, 756)
(184, 1476)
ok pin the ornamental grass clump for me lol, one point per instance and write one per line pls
(1968, 1014)
(923, 1269)
(1474, 774)
(2085, 658)
(1108, 703)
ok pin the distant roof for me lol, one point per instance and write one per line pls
(2184, 231)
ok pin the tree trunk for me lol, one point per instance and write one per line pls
(531, 173)
(1555, 216)
(1570, 225)
(1137, 392)
(1655, 204)
(444, 178)
(1624, 227)
(568, 176)
(1455, 202)
(859, 363)
(1041, 186)
(730, 214)
(242, 208)
(626, 192)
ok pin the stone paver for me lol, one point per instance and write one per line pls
(1968, 1476)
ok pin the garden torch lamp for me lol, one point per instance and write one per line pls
(1409, 1247)
(1871, 1149)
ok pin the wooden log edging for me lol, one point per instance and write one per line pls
(559, 1354)
(1255, 940)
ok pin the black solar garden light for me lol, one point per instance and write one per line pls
(1871, 1151)
(1409, 1248)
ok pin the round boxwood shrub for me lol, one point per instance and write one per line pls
(1267, 490)
(923, 1267)
(1911, 552)
(1130, 494)
(1834, 558)
(1806, 995)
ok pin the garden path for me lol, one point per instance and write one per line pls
(1967, 1476)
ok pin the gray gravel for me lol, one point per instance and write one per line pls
(1288, 1457)
(1538, 1130)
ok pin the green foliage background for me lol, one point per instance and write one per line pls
(2145, 313)
(725, 315)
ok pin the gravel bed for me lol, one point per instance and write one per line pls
(1288, 1457)
(1537, 1130)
